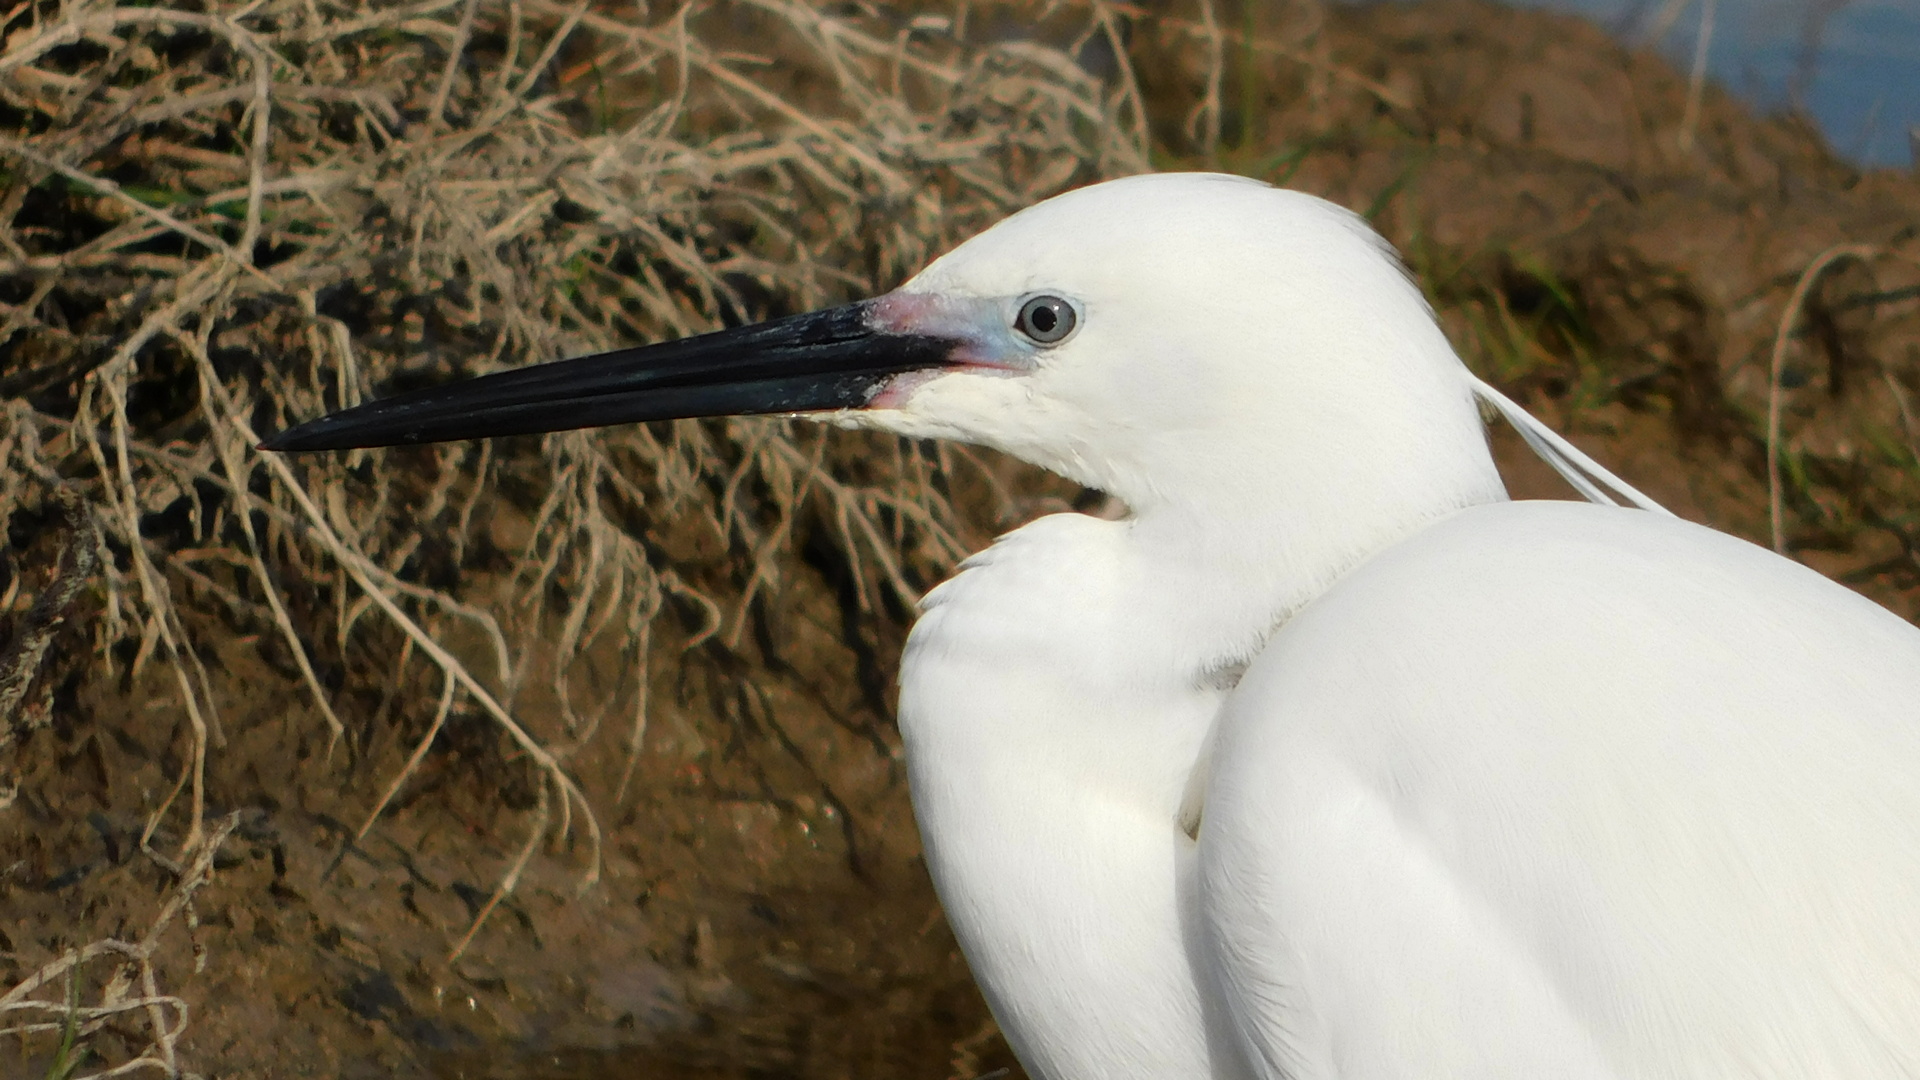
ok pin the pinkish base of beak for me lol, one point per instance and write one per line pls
(969, 321)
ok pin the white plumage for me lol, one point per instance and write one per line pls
(1327, 761)
(1558, 790)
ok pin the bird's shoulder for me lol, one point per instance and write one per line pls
(1050, 587)
(1054, 553)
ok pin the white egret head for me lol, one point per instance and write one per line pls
(1173, 335)
(1188, 340)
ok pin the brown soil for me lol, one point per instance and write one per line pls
(761, 908)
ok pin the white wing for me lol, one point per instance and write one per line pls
(1556, 790)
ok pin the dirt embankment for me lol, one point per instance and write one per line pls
(1628, 266)
(709, 867)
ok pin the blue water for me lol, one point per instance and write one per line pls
(1863, 84)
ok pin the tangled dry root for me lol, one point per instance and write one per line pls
(221, 219)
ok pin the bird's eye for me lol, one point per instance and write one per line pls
(1045, 319)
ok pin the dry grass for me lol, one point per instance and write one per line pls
(230, 217)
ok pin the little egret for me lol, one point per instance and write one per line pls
(1327, 760)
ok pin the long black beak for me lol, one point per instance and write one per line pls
(831, 359)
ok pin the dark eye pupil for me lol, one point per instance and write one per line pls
(1045, 319)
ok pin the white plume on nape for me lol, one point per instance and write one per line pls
(1591, 479)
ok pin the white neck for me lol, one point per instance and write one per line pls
(1228, 562)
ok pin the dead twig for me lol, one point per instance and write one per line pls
(1795, 302)
(35, 632)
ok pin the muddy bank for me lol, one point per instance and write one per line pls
(754, 904)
